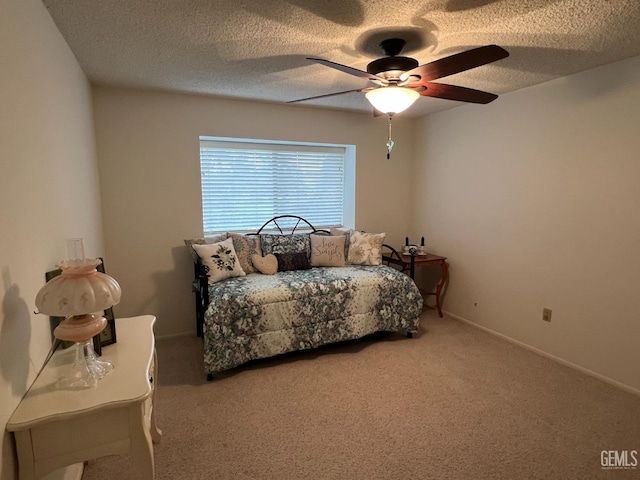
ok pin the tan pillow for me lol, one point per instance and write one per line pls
(216, 238)
(327, 251)
(267, 265)
(347, 233)
(366, 248)
(246, 247)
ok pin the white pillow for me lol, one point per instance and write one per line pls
(202, 241)
(366, 248)
(220, 260)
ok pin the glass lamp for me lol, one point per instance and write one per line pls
(81, 294)
(392, 99)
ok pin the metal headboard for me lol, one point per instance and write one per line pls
(297, 221)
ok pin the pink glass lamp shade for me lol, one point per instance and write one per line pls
(81, 294)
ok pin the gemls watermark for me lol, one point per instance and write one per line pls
(619, 459)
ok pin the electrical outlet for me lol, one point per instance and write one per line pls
(546, 314)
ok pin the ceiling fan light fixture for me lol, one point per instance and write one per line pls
(392, 99)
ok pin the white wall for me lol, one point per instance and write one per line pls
(148, 153)
(535, 199)
(48, 187)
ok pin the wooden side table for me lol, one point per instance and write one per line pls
(54, 427)
(408, 263)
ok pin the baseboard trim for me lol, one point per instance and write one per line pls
(567, 363)
(176, 335)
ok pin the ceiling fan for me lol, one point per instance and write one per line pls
(401, 80)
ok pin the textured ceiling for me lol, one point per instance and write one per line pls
(257, 49)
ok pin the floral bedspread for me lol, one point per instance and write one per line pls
(259, 316)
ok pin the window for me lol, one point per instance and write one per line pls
(247, 182)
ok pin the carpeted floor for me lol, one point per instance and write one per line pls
(454, 403)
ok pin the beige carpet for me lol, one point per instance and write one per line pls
(453, 403)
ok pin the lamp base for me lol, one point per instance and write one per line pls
(86, 370)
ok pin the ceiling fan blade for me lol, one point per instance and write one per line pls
(454, 92)
(457, 63)
(330, 95)
(350, 70)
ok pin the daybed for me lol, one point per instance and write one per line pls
(249, 316)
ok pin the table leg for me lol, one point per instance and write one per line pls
(156, 433)
(26, 467)
(141, 443)
(445, 273)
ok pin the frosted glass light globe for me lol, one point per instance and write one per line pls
(392, 99)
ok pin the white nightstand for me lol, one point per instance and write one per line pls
(54, 428)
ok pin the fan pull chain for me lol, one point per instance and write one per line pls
(389, 141)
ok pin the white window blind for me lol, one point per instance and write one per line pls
(245, 184)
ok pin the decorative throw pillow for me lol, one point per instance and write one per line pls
(220, 260)
(366, 248)
(245, 247)
(267, 265)
(297, 242)
(327, 251)
(203, 241)
(292, 261)
(335, 231)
